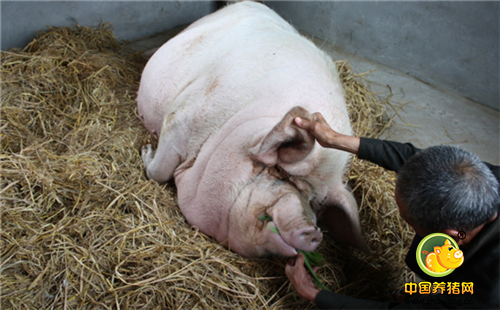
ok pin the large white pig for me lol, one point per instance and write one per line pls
(222, 96)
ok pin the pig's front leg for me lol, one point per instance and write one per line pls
(160, 164)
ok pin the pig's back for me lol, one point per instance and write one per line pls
(219, 64)
(244, 57)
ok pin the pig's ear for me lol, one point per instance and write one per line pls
(437, 249)
(339, 215)
(286, 142)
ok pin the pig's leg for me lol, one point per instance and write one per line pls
(339, 215)
(160, 164)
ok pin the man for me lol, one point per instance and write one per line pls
(439, 189)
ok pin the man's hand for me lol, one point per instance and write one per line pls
(300, 278)
(326, 136)
(319, 128)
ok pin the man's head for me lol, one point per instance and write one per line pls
(445, 187)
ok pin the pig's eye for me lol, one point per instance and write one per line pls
(450, 248)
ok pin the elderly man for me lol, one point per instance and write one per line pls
(439, 189)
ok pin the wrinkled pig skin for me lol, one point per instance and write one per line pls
(222, 96)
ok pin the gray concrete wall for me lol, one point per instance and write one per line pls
(21, 20)
(453, 45)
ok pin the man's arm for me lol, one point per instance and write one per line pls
(390, 155)
(330, 300)
(387, 154)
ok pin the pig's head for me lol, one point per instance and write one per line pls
(448, 256)
(277, 216)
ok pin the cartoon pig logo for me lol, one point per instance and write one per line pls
(444, 257)
(438, 255)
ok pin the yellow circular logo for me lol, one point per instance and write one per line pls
(438, 255)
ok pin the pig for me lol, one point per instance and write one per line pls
(222, 96)
(444, 257)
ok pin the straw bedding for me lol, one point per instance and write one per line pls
(82, 228)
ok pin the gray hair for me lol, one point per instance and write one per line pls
(445, 187)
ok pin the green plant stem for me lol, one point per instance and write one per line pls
(316, 280)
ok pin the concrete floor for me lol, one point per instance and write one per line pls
(429, 115)
(426, 115)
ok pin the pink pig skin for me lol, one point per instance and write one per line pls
(222, 96)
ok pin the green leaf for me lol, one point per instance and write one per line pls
(310, 258)
(314, 258)
(265, 217)
(274, 229)
(308, 263)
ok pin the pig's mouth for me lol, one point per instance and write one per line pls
(288, 242)
(452, 261)
(282, 247)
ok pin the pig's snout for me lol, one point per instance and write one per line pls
(458, 254)
(307, 239)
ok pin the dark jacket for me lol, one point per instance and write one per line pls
(481, 257)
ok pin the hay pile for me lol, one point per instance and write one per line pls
(83, 229)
